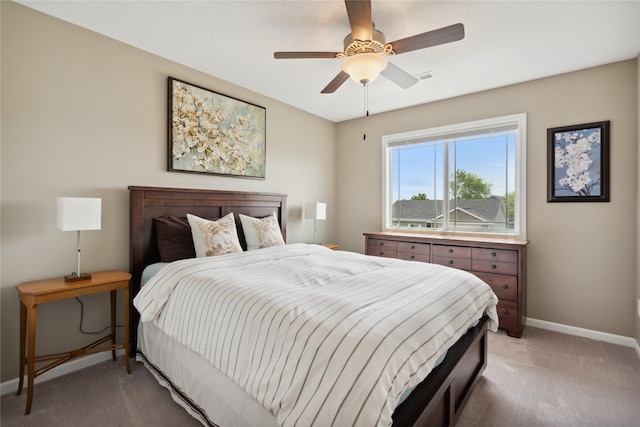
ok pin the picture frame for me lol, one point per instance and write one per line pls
(578, 163)
(216, 134)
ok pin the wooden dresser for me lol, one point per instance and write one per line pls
(500, 263)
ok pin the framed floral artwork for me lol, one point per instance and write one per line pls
(578, 163)
(214, 134)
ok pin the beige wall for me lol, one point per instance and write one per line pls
(581, 256)
(85, 115)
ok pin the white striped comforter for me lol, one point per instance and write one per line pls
(318, 337)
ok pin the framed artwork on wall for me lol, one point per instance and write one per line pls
(578, 163)
(213, 133)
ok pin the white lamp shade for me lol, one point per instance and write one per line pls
(364, 67)
(315, 210)
(79, 213)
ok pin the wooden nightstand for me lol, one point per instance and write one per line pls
(331, 246)
(41, 291)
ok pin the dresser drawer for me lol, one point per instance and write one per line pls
(382, 244)
(507, 313)
(383, 248)
(387, 253)
(505, 287)
(494, 267)
(414, 251)
(413, 256)
(461, 263)
(451, 251)
(418, 248)
(502, 255)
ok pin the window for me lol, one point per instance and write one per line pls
(466, 178)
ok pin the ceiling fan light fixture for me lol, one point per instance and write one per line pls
(364, 67)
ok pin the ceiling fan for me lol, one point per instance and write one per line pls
(365, 49)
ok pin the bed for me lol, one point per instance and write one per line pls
(214, 398)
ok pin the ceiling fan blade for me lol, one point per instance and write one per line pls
(443, 35)
(336, 82)
(359, 13)
(298, 55)
(399, 76)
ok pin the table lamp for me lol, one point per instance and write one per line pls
(77, 214)
(317, 211)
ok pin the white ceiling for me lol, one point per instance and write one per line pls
(506, 42)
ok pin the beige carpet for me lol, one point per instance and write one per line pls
(101, 395)
(543, 379)
(552, 379)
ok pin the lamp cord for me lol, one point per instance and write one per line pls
(82, 318)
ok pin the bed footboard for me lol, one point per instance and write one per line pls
(449, 385)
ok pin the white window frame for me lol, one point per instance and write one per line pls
(520, 218)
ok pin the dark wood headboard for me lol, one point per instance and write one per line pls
(152, 202)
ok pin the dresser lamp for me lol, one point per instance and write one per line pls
(317, 211)
(78, 214)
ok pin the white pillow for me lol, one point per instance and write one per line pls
(261, 232)
(214, 237)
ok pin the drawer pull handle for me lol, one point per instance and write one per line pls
(493, 254)
(450, 251)
(413, 257)
(505, 312)
(493, 266)
(381, 244)
(450, 262)
(413, 246)
(381, 253)
(505, 286)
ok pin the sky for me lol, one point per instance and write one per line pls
(492, 157)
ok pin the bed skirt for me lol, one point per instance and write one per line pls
(190, 379)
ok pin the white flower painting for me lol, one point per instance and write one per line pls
(212, 133)
(577, 161)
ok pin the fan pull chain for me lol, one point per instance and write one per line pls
(366, 107)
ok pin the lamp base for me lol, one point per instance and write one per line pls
(74, 277)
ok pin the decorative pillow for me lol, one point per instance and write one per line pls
(214, 237)
(173, 237)
(261, 232)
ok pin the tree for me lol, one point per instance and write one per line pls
(466, 185)
(419, 196)
(510, 202)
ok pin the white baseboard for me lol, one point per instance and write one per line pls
(586, 333)
(11, 386)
